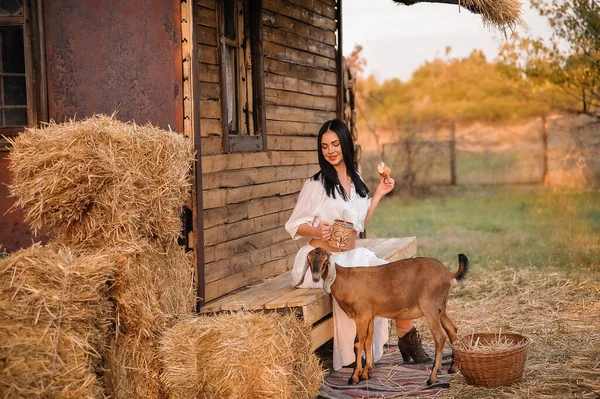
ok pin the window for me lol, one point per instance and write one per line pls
(242, 76)
(19, 66)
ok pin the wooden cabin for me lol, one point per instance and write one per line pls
(251, 81)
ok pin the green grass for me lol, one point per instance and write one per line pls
(518, 226)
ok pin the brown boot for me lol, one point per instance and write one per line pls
(410, 347)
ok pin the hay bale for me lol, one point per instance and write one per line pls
(132, 368)
(242, 355)
(54, 322)
(101, 182)
(152, 285)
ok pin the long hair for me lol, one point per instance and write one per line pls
(328, 175)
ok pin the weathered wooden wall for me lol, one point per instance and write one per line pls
(248, 197)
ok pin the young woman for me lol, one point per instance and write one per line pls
(338, 192)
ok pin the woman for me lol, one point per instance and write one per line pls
(338, 192)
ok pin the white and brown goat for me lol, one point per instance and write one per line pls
(403, 290)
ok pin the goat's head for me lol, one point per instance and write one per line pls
(321, 266)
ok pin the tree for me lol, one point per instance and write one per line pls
(566, 68)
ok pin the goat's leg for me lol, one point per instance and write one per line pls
(362, 325)
(366, 373)
(435, 326)
(451, 331)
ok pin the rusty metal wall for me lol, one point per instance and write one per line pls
(14, 233)
(106, 56)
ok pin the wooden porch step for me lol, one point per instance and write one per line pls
(312, 305)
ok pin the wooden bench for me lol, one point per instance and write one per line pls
(312, 305)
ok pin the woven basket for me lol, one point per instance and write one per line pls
(494, 368)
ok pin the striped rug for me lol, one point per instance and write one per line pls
(391, 378)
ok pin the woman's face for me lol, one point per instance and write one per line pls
(331, 148)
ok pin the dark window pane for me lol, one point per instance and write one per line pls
(229, 10)
(11, 7)
(13, 58)
(15, 116)
(15, 90)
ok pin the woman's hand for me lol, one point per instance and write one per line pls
(323, 231)
(385, 186)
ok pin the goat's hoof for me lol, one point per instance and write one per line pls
(429, 382)
(351, 381)
(365, 377)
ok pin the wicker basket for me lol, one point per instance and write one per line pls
(494, 368)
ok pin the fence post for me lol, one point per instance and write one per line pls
(453, 154)
(545, 146)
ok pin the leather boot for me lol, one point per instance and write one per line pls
(410, 347)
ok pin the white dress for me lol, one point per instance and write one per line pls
(314, 206)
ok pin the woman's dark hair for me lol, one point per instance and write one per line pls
(328, 175)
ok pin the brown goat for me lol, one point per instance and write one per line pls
(403, 290)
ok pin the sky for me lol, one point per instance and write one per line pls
(397, 39)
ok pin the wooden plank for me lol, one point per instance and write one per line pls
(273, 204)
(221, 197)
(228, 232)
(211, 127)
(244, 299)
(259, 303)
(236, 264)
(210, 91)
(293, 40)
(298, 71)
(208, 54)
(288, 54)
(321, 333)
(212, 4)
(207, 35)
(221, 162)
(307, 298)
(282, 301)
(245, 244)
(316, 6)
(209, 109)
(301, 14)
(208, 73)
(211, 144)
(292, 114)
(300, 100)
(317, 310)
(207, 17)
(295, 128)
(248, 210)
(230, 283)
(288, 83)
(252, 176)
(298, 143)
(301, 28)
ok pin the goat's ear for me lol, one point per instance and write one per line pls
(330, 277)
(306, 266)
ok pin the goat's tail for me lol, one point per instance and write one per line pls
(463, 267)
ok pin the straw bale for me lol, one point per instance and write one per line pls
(152, 286)
(54, 322)
(132, 368)
(100, 181)
(239, 355)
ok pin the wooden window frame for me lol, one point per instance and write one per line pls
(35, 67)
(251, 23)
